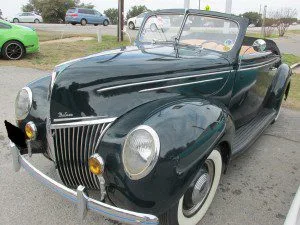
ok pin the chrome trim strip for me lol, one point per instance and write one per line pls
(159, 81)
(179, 85)
(82, 123)
(80, 197)
(258, 65)
(79, 118)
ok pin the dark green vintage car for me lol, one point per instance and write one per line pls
(152, 127)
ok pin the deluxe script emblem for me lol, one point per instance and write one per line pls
(64, 114)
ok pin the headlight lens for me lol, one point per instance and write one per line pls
(23, 103)
(140, 152)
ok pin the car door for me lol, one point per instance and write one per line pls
(22, 17)
(98, 17)
(4, 32)
(252, 80)
(31, 17)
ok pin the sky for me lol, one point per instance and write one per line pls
(12, 7)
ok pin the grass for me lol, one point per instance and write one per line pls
(293, 100)
(258, 35)
(290, 59)
(52, 54)
(49, 36)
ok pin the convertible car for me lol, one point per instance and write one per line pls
(152, 127)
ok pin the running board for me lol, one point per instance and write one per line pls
(247, 134)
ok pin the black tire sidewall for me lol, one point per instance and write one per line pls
(15, 20)
(83, 23)
(105, 23)
(131, 27)
(36, 21)
(4, 52)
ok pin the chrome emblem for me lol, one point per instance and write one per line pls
(64, 114)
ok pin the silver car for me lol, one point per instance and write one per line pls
(27, 17)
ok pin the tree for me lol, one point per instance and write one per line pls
(136, 10)
(112, 14)
(254, 18)
(83, 5)
(53, 11)
(283, 19)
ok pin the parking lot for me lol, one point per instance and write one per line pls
(258, 187)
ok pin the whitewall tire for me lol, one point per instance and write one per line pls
(180, 214)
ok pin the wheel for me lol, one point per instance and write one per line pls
(36, 21)
(196, 200)
(131, 26)
(13, 50)
(15, 20)
(105, 23)
(83, 22)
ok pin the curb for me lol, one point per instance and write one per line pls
(295, 65)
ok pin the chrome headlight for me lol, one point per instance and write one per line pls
(140, 152)
(23, 103)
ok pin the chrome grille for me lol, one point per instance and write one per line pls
(73, 144)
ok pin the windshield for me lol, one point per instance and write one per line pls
(206, 32)
(161, 28)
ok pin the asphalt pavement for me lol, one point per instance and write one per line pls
(257, 189)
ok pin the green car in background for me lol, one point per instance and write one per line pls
(16, 40)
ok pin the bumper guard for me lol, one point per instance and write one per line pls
(80, 197)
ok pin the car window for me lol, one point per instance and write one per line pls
(141, 15)
(4, 26)
(86, 11)
(211, 33)
(71, 11)
(97, 13)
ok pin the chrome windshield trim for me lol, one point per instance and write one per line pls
(80, 196)
(160, 80)
(258, 65)
(82, 123)
(179, 85)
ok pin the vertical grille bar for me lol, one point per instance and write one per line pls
(73, 146)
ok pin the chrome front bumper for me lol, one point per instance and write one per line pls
(80, 197)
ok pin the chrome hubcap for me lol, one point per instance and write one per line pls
(197, 195)
(201, 188)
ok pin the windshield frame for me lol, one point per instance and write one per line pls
(240, 21)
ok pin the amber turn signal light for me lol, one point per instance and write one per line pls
(30, 130)
(96, 164)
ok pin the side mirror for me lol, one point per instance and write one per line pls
(259, 45)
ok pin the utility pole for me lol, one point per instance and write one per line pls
(228, 6)
(186, 4)
(263, 22)
(120, 20)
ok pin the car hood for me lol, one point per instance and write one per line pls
(101, 84)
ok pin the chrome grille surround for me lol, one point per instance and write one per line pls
(73, 144)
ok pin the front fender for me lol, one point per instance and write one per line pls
(188, 130)
(279, 86)
(38, 113)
